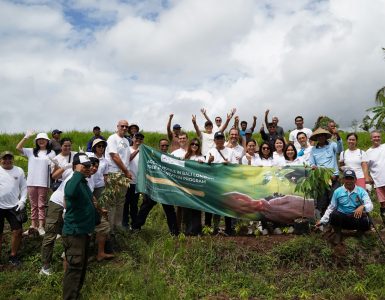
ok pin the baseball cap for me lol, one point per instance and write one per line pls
(55, 131)
(139, 135)
(218, 135)
(176, 126)
(349, 173)
(81, 158)
(248, 131)
(6, 153)
(133, 125)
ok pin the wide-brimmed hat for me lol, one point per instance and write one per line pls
(318, 132)
(97, 141)
(42, 135)
(6, 153)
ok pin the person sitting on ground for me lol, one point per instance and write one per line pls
(55, 141)
(13, 179)
(97, 135)
(348, 208)
(275, 121)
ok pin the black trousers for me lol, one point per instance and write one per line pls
(349, 222)
(228, 222)
(130, 206)
(145, 209)
(192, 221)
(323, 202)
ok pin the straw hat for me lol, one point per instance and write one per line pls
(318, 132)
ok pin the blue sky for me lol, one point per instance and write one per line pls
(142, 60)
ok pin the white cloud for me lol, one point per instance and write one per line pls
(143, 61)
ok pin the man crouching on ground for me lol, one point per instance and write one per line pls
(348, 208)
(79, 224)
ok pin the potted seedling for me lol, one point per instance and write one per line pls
(314, 184)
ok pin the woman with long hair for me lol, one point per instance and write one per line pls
(250, 158)
(38, 176)
(278, 156)
(291, 158)
(193, 218)
(355, 159)
(265, 155)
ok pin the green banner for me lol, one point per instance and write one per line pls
(238, 191)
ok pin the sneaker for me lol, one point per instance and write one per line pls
(290, 229)
(41, 231)
(45, 271)
(277, 231)
(14, 261)
(58, 236)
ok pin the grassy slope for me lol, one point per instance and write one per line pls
(152, 265)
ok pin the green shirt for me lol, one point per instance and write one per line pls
(79, 218)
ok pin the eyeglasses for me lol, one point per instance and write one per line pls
(123, 126)
(194, 144)
(100, 146)
(218, 120)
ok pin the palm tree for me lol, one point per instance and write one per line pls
(378, 111)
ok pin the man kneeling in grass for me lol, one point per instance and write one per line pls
(348, 208)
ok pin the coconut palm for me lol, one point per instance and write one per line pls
(378, 111)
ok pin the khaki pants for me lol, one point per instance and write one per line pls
(115, 211)
(53, 226)
(76, 248)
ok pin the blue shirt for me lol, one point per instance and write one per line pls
(326, 156)
(347, 202)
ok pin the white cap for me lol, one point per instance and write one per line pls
(42, 135)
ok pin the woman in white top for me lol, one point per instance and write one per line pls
(278, 156)
(291, 158)
(265, 155)
(100, 177)
(250, 158)
(38, 176)
(355, 159)
(192, 217)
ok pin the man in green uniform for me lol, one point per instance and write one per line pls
(79, 223)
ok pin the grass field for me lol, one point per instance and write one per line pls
(151, 264)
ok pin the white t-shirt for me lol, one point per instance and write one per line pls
(376, 164)
(121, 146)
(63, 160)
(207, 142)
(297, 162)
(306, 153)
(293, 136)
(227, 153)
(353, 160)
(19, 188)
(239, 152)
(38, 167)
(98, 177)
(134, 166)
(279, 159)
(58, 195)
(180, 153)
(265, 162)
(8, 198)
(254, 160)
(197, 158)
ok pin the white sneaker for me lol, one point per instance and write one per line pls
(46, 272)
(58, 236)
(41, 231)
(277, 231)
(290, 229)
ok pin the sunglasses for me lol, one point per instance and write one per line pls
(100, 146)
(164, 145)
(123, 126)
(194, 144)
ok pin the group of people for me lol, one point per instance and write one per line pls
(77, 181)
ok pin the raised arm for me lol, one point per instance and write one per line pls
(20, 145)
(236, 122)
(197, 130)
(228, 119)
(170, 134)
(267, 117)
(203, 111)
(254, 123)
